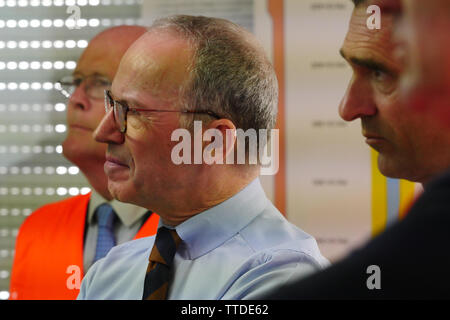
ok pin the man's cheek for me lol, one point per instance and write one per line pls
(416, 99)
(136, 128)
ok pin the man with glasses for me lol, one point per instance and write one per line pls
(219, 237)
(59, 242)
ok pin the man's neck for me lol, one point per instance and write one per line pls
(207, 194)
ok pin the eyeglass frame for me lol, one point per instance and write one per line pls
(67, 94)
(126, 108)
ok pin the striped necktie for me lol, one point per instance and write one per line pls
(105, 238)
(160, 261)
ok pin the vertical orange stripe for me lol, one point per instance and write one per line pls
(276, 10)
(379, 196)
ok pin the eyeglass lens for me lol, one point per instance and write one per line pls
(94, 85)
(119, 111)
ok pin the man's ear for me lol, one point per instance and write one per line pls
(227, 131)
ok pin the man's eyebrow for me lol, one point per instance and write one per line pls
(96, 74)
(125, 102)
(366, 63)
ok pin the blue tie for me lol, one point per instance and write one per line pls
(105, 237)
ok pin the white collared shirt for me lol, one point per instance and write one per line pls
(130, 220)
(242, 248)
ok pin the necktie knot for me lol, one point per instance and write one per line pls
(161, 257)
(165, 247)
(105, 216)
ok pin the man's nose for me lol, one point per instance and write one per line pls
(358, 100)
(107, 131)
(79, 98)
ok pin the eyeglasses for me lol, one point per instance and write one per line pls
(94, 88)
(121, 109)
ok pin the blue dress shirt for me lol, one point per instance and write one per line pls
(242, 248)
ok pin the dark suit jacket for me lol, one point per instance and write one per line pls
(413, 256)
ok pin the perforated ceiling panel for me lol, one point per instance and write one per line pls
(39, 44)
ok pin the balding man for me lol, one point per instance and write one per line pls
(219, 236)
(58, 243)
(411, 258)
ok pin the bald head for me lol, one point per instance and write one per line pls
(106, 49)
(99, 63)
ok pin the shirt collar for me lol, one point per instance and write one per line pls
(128, 214)
(209, 229)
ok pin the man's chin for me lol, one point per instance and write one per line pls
(119, 191)
(393, 168)
(74, 155)
(82, 153)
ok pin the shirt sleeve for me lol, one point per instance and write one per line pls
(268, 272)
(87, 281)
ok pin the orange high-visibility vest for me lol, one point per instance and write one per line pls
(49, 251)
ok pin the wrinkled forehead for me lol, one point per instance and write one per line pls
(362, 42)
(158, 62)
(361, 16)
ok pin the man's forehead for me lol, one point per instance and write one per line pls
(156, 63)
(375, 44)
(101, 58)
(140, 69)
(360, 32)
(105, 51)
(385, 5)
(159, 41)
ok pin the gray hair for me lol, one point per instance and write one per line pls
(230, 73)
